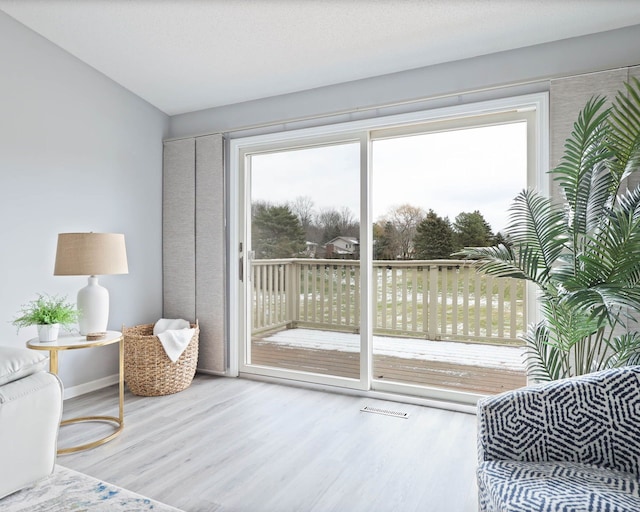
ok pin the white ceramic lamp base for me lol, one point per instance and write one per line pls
(93, 307)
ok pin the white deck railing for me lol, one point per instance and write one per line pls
(442, 299)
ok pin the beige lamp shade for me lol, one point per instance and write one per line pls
(90, 254)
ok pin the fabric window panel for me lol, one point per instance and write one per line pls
(178, 230)
(193, 241)
(210, 252)
(567, 97)
(634, 180)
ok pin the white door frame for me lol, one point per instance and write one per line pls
(361, 131)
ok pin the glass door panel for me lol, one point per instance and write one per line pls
(436, 322)
(304, 268)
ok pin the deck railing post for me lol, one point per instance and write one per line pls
(432, 332)
(292, 293)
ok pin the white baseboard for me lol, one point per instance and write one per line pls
(104, 382)
(87, 387)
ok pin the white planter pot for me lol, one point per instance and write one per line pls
(48, 332)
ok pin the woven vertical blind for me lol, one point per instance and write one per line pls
(568, 96)
(193, 241)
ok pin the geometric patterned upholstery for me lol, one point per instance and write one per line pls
(557, 486)
(550, 443)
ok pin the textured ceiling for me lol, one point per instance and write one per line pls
(185, 55)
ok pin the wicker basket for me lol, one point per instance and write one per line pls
(148, 371)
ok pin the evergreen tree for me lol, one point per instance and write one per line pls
(434, 238)
(386, 247)
(276, 232)
(472, 230)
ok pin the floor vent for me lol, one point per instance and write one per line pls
(386, 412)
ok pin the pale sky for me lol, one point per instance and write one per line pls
(450, 172)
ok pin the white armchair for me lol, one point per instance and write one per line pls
(30, 412)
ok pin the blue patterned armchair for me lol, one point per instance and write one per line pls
(570, 445)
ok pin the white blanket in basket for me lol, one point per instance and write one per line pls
(174, 334)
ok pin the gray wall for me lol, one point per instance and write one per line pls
(521, 71)
(77, 153)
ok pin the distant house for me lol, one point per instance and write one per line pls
(344, 247)
(311, 250)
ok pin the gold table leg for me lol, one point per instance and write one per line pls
(118, 423)
(53, 361)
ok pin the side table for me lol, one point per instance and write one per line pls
(76, 342)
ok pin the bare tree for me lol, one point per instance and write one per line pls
(404, 220)
(328, 221)
(332, 223)
(302, 207)
(348, 225)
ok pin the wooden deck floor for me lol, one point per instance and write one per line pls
(475, 368)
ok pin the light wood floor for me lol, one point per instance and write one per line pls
(239, 445)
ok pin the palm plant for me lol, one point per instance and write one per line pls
(583, 253)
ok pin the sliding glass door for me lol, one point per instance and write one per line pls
(346, 243)
(303, 267)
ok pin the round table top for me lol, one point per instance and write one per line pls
(73, 341)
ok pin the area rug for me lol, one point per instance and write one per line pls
(67, 490)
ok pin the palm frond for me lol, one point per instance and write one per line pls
(568, 327)
(537, 224)
(627, 216)
(600, 200)
(606, 304)
(612, 255)
(545, 362)
(498, 261)
(624, 138)
(583, 165)
(625, 350)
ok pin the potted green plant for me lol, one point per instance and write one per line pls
(582, 253)
(47, 313)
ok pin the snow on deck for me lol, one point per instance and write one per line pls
(455, 352)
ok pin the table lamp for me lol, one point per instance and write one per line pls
(91, 254)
